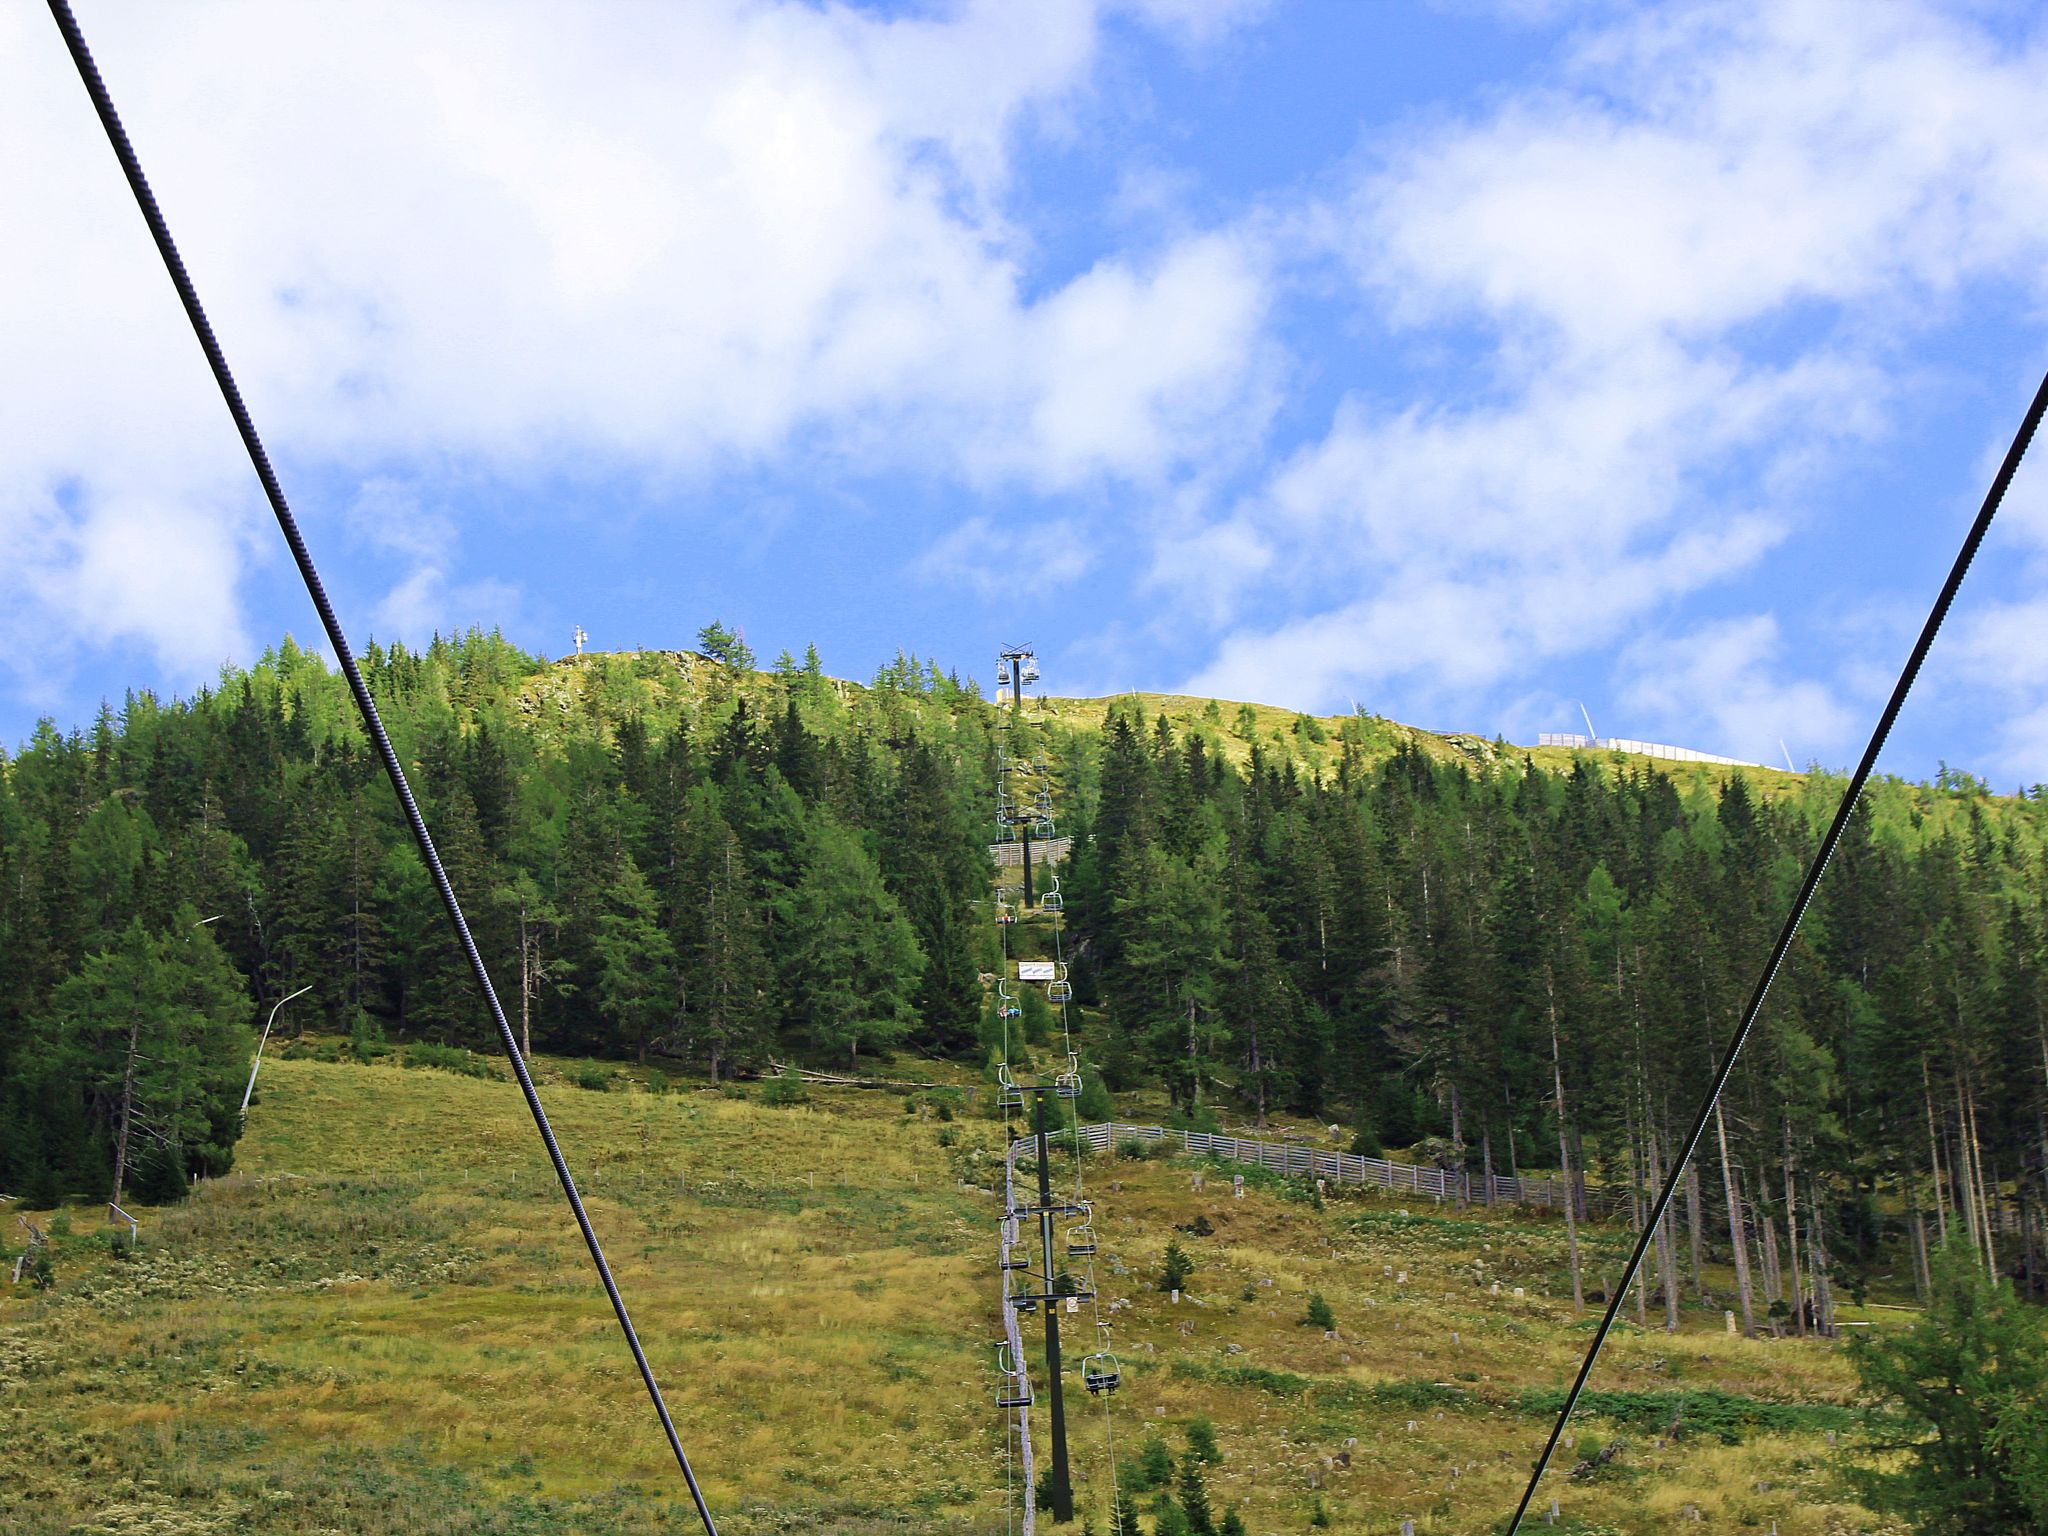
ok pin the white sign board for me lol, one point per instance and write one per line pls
(1034, 970)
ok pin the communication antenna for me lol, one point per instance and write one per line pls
(580, 638)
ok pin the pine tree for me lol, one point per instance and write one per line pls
(719, 934)
(634, 981)
(1176, 1268)
(853, 963)
(1968, 1380)
(1194, 1499)
(153, 1033)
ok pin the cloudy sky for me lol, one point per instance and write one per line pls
(1464, 361)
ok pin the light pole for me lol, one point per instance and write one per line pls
(257, 1065)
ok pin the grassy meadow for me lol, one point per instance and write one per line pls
(384, 1321)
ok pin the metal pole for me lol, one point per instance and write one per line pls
(257, 1064)
(1062, 1485)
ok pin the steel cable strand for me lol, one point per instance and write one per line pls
(159, 229)
(1971, 542)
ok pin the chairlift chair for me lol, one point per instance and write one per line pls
(1081, 1236)
(1015, 1257)
(1008, 1094)
(1059, 991)
(1067, 1085)
(1101, 1373)
(1052, 901)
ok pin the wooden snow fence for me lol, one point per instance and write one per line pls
(1307, 1161)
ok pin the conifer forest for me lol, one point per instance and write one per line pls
(1436, 943)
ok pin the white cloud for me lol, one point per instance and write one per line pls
(991, 561)
(1692, 258)
(1722, 688)
(665, 240)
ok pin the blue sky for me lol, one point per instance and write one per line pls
(1463, 361)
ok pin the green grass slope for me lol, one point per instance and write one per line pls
(385, 1322)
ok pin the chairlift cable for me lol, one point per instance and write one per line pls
(159, 229)
(1978, 529)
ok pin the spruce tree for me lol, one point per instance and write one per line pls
(853, 963)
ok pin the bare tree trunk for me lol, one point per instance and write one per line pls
(1579, 1172)
(1798, 1295)
(1738, 1240)
(1774, 1289)
(525, 984)
(1966, 1191)
(1933, 1152)
(1667, 1260)
(1486, 1157)
(1823, 1292)
(1986, 1192)
(1693, 1217)
(127, 1109)
(1564, 1155)
(1922, 1281)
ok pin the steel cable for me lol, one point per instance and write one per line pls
(159, 230)
(1975, 537)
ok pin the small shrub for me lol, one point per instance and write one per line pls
(1249, 1293)
(948, 1136)
(1232, 1524)
(121, 1243)
(944, 1108)
(656, 1080)
(366, 1038)
(592, 1077)
(41, 1273)
(447, 1058)
(60, 1224)
(1365, 1141)
(1319, 1313)
(1320, 1516)
(1193, 1117)
(1095, 1103)
(1131, 1149)
(1202, 1441)
(785, 1091)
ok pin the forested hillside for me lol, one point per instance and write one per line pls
(1516, 961)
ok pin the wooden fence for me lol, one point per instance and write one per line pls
(1049, 850)
(1340, 1167)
